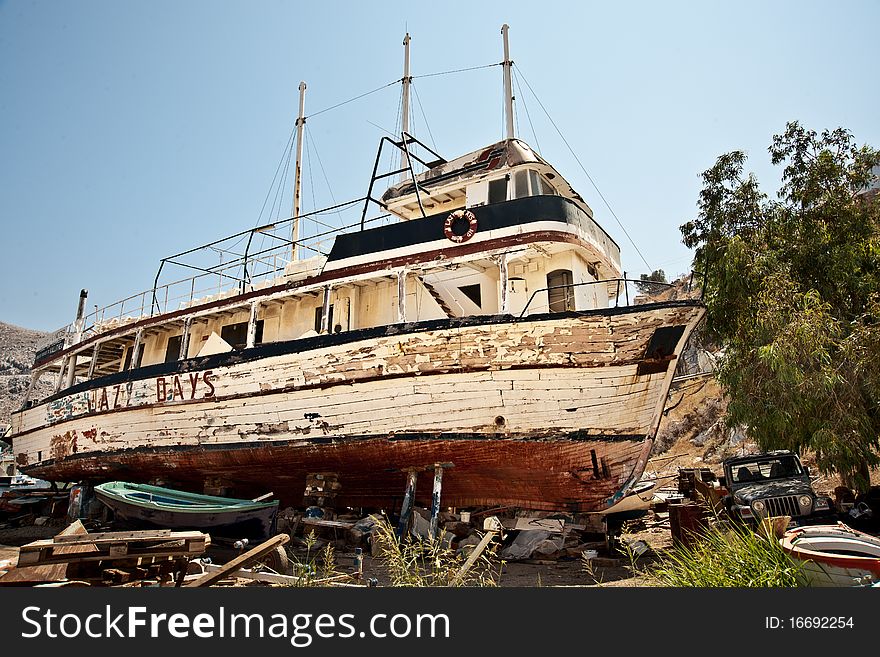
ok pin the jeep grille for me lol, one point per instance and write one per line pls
(786, 505)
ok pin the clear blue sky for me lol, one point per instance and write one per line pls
(130, 131)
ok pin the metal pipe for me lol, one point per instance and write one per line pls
(300, 125)
(503, 281)
(80, 314)
(325, 311)
(401, 296)
(95, 351)
(508, 87)
(407, 505)
(252, 325)
(412, 173)
(407, 81)
(435, 500)
(184, 339)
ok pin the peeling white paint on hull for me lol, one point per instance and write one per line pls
(554, 412)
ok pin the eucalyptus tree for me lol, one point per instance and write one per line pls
(792, 286)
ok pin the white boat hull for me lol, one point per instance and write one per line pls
(834, 555)
(551, 412)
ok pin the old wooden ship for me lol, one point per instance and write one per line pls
(483, 326)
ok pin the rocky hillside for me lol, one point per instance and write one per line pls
(17, 348)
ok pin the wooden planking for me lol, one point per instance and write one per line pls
(498, 346)
(361, 406)
(368, 404)
(542, 475)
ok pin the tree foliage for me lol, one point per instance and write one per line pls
(647, 282)
(792, 287)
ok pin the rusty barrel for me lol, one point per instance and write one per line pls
(686, 521)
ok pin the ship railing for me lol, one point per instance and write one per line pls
(621, 286)
(258, 265)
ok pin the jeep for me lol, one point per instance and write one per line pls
(772, 484)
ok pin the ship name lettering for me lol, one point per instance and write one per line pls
(162, 385)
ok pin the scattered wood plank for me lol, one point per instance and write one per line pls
(110, 546)
(275, 578)
(116, 536)
(65, 584)
(475, 554)
(336, 524)
(241, 561)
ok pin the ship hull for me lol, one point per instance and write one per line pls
(554, 412)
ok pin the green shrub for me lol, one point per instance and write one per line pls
(727, 556)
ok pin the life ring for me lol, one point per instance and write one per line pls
(468, 216)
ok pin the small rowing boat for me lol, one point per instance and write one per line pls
(834, 555)
(176, 509)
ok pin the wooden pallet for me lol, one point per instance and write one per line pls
(115, 545)
(53, 572)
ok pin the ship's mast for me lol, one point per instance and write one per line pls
(407, 81)
(508, 88)
(297, 179)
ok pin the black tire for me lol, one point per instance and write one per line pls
(277, 560)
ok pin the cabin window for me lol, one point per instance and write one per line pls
(236, 334)
(559, 291)
(473, 292)
(319, 311)
(172, 351)
(536, 186)
(498, 190)
(137, 360)
(521, 183)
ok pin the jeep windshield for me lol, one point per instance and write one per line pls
(780, 467)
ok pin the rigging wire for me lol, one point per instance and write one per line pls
(279, 192)
(398, 81)
(516, 116)
(310, 143)
(351, 100)
(324, 173)
(385, 130)
(458, 70)
(284, 155)
(583, 168)
(311, 177)
(398, 126)
(526, 108)
(424, 116)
